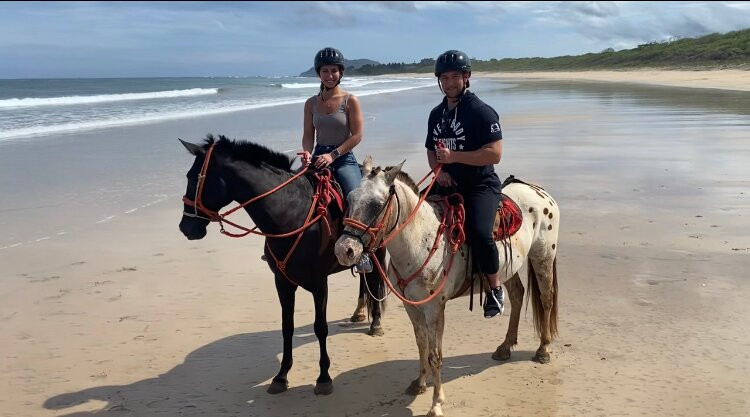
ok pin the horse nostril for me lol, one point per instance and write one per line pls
(350, 252)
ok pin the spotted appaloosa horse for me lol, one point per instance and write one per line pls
(535, 241)
(224, 171)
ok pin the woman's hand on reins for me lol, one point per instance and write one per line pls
(323, 161)
(305, 158)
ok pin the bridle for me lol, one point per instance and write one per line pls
(214, 216)
(196, 203)
(378, 231)
(321, 199)
(456, 237)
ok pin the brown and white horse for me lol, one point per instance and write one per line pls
(372, 203)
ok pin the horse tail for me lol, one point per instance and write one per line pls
(535, 296)
(553, 313)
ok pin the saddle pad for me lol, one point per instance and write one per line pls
(507, 220)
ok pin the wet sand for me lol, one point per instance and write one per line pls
(126, 317)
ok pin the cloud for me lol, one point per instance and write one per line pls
(320, 15)
(398, 6)
(591, 9)
(258, 38)
(629, 24)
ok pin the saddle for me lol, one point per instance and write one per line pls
(508, 219)
(339, 195)
(336, 192)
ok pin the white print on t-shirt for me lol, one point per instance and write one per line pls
(450, 143)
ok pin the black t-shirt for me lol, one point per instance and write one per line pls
(471, 125)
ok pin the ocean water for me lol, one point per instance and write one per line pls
(34, 108)
(79, 154)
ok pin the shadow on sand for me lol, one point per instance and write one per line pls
(230, 377)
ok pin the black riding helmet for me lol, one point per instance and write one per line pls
(452, 61)
(329, 56)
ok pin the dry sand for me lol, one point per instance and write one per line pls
(738, 80)
(129, 318)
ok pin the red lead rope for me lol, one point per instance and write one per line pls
(452, 219)
(320, 201)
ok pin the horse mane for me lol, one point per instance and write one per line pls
(249, 152)
(401, 176)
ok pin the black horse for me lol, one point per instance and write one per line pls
(239, 171)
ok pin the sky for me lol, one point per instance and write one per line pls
(178, 39)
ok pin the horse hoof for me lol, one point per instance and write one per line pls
(501, 354)
(376, 331)
(277, 387)
(435, 412)
(416, 389)
(541, 358)
(356, 318)
(324, 388)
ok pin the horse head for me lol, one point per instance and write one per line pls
(206, 191)
(370, 215)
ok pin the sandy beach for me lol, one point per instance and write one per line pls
(126, 317)
(729, 79)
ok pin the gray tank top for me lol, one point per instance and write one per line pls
(331, 129)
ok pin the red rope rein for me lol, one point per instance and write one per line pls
(452, 223)
(324, 194)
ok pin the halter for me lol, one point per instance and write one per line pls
(196, 203)
(374, 231)
(320, 201)
(456, 237)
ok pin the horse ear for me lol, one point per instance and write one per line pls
(367, 166)
(390, 175)
(192, 148)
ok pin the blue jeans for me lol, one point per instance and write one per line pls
(345, 168)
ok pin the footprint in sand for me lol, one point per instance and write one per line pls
(60, 294)
(45, 279)
(127, 269)
(9, 316)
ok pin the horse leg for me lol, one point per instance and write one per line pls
(359, 312)
(419, 385)
(324, 384)
(515, 294)
(543, 287)
(286, 292)
(435, 318)
(376, 286)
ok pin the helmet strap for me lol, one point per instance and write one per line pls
(324, 88)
